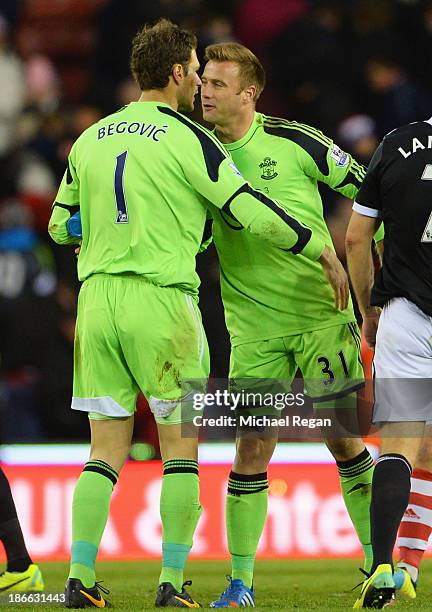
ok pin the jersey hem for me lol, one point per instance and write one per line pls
(135, 276)
(337, 395)
(281, 334)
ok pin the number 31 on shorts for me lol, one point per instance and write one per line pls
(326, 368)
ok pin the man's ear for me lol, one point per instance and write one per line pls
(177, 73)
(248, 94)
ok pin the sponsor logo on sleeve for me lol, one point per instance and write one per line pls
(342, 158)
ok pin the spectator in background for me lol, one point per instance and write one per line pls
(37, 317)
(12, 85)
(317, 77)
(22, 281)
(423, 46)
(43, 88)
(357, 134)
(413, 38)
(10, 11)
(218, 29)
(110, 63)
(12, 98)
(257, 23)
(394, 98)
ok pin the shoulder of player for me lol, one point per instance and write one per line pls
(213, 152)
(409, 129)
(203, 135)
(404, 140)
(299, 133)
(307, 139)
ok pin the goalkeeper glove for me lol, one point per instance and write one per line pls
(74, 226)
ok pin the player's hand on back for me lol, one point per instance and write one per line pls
(337, 277)
(370, 325)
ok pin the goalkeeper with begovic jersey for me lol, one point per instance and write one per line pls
(140, 180)
(279, 309)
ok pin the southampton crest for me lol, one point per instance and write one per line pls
(268, 168)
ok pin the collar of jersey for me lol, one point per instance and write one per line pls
(144, 104)
(256, 123)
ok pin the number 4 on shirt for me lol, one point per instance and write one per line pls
(427, 233)
(122, 213)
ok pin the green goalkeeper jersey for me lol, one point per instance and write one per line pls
(142, 179)
(266, 292)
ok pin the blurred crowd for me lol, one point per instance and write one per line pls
(356, 69)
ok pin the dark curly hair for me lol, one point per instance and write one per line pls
(155, 50)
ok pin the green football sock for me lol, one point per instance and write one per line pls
(90, 509)
(180, 510)
(246, 511)
(356, 484)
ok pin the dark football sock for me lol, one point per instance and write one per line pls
(11, 535)
(391, 485)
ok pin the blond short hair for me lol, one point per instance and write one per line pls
(250, 68)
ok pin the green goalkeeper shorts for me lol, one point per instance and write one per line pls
(329, 359)
(132, 335)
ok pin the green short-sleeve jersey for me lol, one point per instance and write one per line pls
(268, 293)
(142, 179)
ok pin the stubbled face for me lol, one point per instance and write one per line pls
(188, 88)
(220, 92)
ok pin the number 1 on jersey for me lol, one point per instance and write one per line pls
(122, 213)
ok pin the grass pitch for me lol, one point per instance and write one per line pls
(279, 585)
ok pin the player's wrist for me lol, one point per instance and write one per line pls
(370, 311)
(326, 255)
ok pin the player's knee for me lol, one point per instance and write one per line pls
(424, 457)
(114, 456)
(344, 449)
(253, 453)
